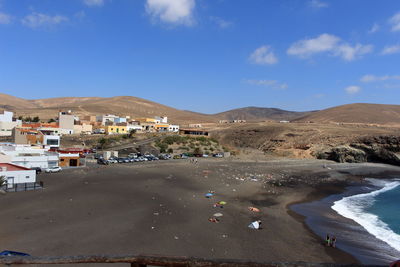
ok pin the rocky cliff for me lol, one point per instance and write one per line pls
(384, 149)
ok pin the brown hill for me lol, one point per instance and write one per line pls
(357, 113)
(12, 103)
(120, 105)
(260, 114)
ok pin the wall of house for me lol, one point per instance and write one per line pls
(19, 177)
(66, 121)
(51, 140)
(84, 128)
(116, 129)
(7, 116)
(7, 126)
(69, 161)
(36, 161)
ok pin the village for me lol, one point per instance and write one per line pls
(29, 146)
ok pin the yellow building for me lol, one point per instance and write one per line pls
(146, 120)
(113, 129)
(161, 127)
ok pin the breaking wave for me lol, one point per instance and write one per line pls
(354, 208)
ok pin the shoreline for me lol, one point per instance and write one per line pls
(323, 201)
(337, 254)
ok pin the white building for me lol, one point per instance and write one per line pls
(161, 120)
(7, 123)
(173, 128)
(13, 174)
(106, 119)
(131, 127)
(66, 122)
(28, 156)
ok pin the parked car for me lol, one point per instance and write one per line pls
(133, 155)
(177, 157)
(205, 155)
(218, 155)
(112, 160)
(184, 156)
(164, 156)
(13, 253)
(102, 161)
(37, 169)
(53, 169)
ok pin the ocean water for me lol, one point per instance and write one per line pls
(377, 211)
(365, 219)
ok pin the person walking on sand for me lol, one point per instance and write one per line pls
(328, 240)
(333, 241)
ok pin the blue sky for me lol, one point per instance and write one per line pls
(204, 55)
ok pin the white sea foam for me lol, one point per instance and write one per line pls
(353, 207)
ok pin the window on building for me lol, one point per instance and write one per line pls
(52, 142)
(27, 177)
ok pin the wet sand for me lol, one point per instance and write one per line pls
(159, 208)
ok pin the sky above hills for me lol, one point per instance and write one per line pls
(204, 55)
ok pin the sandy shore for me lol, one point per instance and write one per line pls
(160, 208)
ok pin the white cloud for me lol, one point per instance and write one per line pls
(387, 50)
(374, 28)
(172, 11)
(317, 4)
(263, 56)
(328, 43)
(5, 18)
(372, 78)
(305, 48)
(395, 22)
(36, 20)
(94, 3)
(349, 53)
(274, 84)
(223, 24)
(351, 90)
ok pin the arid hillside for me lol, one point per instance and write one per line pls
(120, 105)
(138, 107)
(357, 113)
(340, 142)
(260, 114)
(135, 107)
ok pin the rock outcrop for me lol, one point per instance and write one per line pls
(383, 149)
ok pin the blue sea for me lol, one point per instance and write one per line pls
(377, 211)
(365, 219)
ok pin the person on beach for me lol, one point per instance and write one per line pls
(333, 241)
(328, 240)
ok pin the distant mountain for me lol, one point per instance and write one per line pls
(138, 107)
(120, 105)
(260, 114)
(357, 113)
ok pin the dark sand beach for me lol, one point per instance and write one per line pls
(160, 208)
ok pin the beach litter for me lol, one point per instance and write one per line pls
(253, 209)
(220, 204)
(214, 220)
(255, 225)
(209, 195)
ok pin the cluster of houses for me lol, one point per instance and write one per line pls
(37, 144)
(48, 134)
(232, 121)
(18, 162)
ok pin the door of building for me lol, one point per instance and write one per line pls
(73, 162)
(10, 182)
